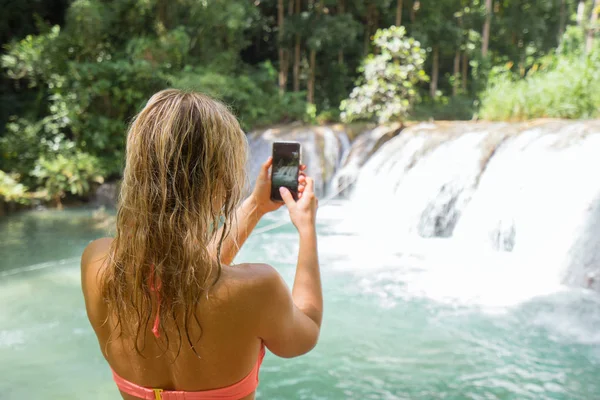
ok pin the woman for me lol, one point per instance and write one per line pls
(173, 319)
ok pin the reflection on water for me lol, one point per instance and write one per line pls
(46, 236)
(408, 320)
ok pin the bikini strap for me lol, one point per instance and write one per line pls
(155, 289)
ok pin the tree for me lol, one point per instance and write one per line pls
(341, 10)
(435, 73)
(486, 28)
(296, 72)
(387, 90)
(416, 4)
(282, 50)
(441, 36)
(465, 71)
(563, 18)
(456, 73)
(372, 16)
(592, 28)
(313, 46)
(88, 65)
(580, 12)
(399, 13)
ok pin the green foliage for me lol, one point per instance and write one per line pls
(75, 72)
(21, 147)
(568, 88)
(251, 95)
(328, 116)
(30, 57)
(387, 89)
(72, 172)
(445, 108)
(562, 85)
(92, 75)
(311, 114)
(11, 190)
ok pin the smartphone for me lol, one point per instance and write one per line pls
(285, 169)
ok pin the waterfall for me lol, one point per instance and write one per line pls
(426, 175)
(529, 189)
(356, 155)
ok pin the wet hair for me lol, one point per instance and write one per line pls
(185, 174)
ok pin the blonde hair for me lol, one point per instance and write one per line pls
(185, 174)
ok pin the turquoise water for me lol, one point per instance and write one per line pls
(402, 320)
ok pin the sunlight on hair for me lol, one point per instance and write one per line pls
(185, 172)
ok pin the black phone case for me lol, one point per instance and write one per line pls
(275, 195)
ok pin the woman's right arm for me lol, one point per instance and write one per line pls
(291, 322)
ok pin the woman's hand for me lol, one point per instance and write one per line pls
(261, 194)
(303, 212)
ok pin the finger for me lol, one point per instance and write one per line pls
(302, 179)
(287, 197)
(302, 167)
(310, 184)
(264, 169)
(301, 189)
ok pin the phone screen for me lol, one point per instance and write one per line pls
(286, 165)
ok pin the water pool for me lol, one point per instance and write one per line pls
(402, 320)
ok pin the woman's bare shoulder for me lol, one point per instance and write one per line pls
(253, 274)
(95, 250)
(93, 260)
(255, 283)
(92, 263)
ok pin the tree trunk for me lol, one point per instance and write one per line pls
(367, 39)
(310, 97)
(287, 52)
(562, 19)
(465, 71)
(282, 61)
(456, 82)
(374, 25)
(580, 12)
(163, 13)
(399, 13)
(435, 71)
(341, 10)
(522, 63)
(413, 10)
(486, 28)
(297, 54)
(58, 202)
(297, 64)
(589, 44)
(457, 56)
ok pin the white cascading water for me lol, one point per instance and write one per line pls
(513, 200)
(535, 197)
(358, 153)
(335, 147)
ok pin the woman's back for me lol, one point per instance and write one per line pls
(169, 312)
(227, 327)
